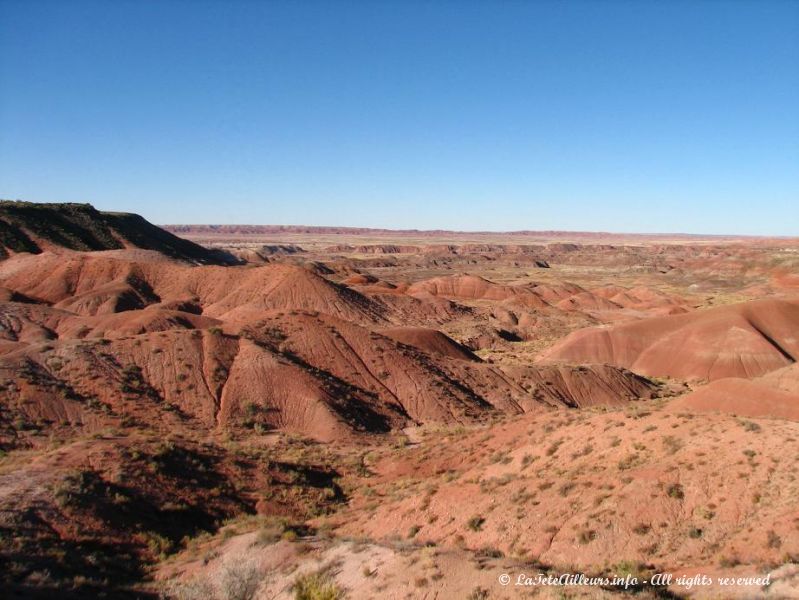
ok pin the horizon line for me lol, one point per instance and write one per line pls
(333, 229)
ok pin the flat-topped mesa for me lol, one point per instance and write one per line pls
(35, 227)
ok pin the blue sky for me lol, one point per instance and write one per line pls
(614, 116)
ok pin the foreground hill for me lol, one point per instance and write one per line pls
(34, 228)
(624, 492)
(641, 486)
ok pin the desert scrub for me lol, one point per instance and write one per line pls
(553, 447)
(586, 450)
(475, 523)
(198, 588)
(316, 586)
(238, 579)
(77, 487)
(671, 444)
(675, 491)
(695, 533)
(750, 426)
(629, 461)
(158, 545)
(478, 593)
(586, 536)
(773, 540)
(566, 488)
(274, 529)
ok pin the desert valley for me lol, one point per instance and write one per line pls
(263, 412)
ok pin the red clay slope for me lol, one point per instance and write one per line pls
(741, 340)
(431, 341)
(776, 394)
(742, 397)
(298, 371)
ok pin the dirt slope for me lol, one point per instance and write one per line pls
(430, 341)
(775, 394)
(650, 486)
(741, 340)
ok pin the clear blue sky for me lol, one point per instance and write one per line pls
(616, 116)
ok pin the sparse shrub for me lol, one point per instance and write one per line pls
(553, 447)
(289, 536)
(489, 552)
(727, 562)
(158, 544)
(586, 536)
(316, 586)
(77, 487)
(629, 461)
(239, 579)
(566, 488)
(628, 567)
(475, 523)
(198, 588)
(478, 593)
(675, 491)
(587, 449)
(750, 426)
(277, 528)
(671, 443)
(773, 540)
